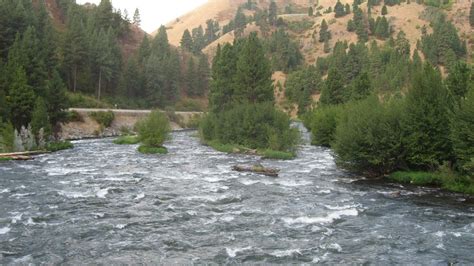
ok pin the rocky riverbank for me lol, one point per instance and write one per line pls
(84, 126)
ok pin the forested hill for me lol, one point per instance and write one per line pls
(56, 54)
(297, 34)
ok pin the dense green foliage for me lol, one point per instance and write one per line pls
(322, 123)
(382, 110)
(444, 45)
(152, 150)
(59, 146)
(241, 101)
(471, 15)
(284, 52)
(256, 126)
(104, 119)
(80, 51)
(300, 85)
(462, 133)
(154, 130)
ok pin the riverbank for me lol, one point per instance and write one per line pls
(84, 126)
(447, 180)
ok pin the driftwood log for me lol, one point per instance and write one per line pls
(21, 156)
(258, 169)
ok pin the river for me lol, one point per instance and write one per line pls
(102, 203)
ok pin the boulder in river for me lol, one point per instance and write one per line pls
(258, 169)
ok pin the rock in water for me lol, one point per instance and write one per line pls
(258, 169)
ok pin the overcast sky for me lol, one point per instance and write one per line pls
(154, 12)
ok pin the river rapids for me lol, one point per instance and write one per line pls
(101, 203)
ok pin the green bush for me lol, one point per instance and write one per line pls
(152, 150)
(255, 126)
(74, 116)
(7, 137)
(104, 119)
(300, 26)
(322, 123)
(59, 146)
(462, 134)
(190, 105)
(300, 86)
(78, 100)
(154, 130)
(127, 140)
(368, 137)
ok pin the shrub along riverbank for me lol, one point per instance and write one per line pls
(425, 137)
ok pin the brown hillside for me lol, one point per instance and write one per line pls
(220, 10)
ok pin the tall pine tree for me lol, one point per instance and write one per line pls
(253, 74)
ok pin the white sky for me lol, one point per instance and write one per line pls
(154, 12)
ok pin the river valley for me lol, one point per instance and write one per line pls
(102, 203)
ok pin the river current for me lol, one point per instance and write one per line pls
(102, 203)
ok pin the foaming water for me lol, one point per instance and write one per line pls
(107, 204)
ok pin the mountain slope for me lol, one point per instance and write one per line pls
(406, 17)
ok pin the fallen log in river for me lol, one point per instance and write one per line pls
(258, 169)
(20, 156)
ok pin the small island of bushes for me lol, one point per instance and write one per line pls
(153, 131)
(242, 117)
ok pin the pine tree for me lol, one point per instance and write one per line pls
(360, 27)
(160, 44)
(21, 99)
(333, 91)
(273, 13)
(462, 134)
(136, 18)
(132, 83)
(324, 34)
(40, 119)
(199, 40)
(425, 123)
(202, 75)
(240, 22)
(471, 15)
(212, 29)
(382, 28)
(191, 78)
(339, 9)
(153, 71)
(361, 87)
(75, 49)
(384, 10)
(187, 41)
(144, 50)
(56, 99)
(102, 59)
(310, 11)
(253, 74)
(458, 80)
(105, 15)
(222, 87)
(348, 9)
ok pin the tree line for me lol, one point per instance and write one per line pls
(44, 62)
